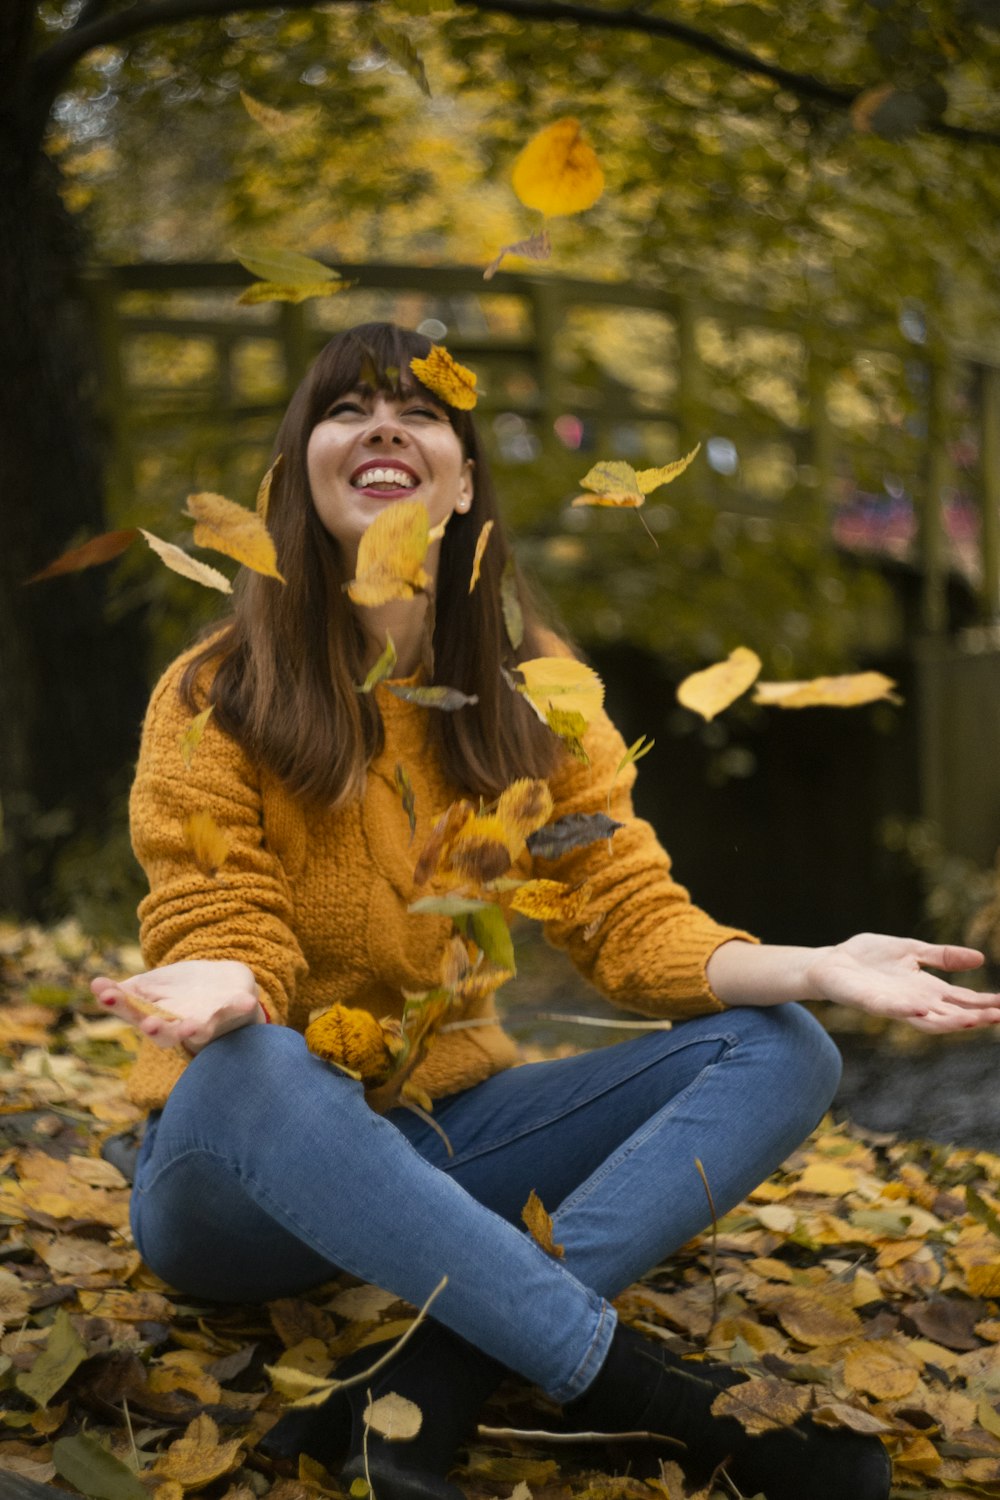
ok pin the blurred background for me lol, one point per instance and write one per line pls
(794, 263)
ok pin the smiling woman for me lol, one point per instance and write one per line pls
(342, 801)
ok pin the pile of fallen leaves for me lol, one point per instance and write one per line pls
(860, 1283)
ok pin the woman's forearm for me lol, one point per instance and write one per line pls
(743, 973)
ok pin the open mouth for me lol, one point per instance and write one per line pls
(384, 479)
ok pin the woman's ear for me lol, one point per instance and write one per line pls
(466, 486)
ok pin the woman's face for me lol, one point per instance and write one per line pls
(371, 450)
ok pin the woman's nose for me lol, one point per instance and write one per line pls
(385, 428)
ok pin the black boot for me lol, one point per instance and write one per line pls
(449, 1380)
(643, 1387)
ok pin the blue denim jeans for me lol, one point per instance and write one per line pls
(266, 1173)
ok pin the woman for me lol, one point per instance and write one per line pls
(263, 1170)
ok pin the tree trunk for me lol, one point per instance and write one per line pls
(71, 685)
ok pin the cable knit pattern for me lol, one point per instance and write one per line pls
(317, 906)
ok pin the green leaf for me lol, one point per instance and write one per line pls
(980, 1209)
(448, 906)
(491, 933)
(285, 266)
(510, 603)
(93, 1469)
(447, 698)
(382, 667)
(397, 45)
(634, 752)
(64, 1350)
(404, 786)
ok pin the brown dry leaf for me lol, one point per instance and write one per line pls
(535, 247)
(441, 836)
(187, 566)
(984, 1280)
(550, 900)
(209, 843)
(839, 1414)
(477, 558)
(445, 378)
(710, 691)
(920, 1454)
(762, 1404)
(391, 555)
(557, 172)
(525, 806)
(539, 1225)
(881, 1368)
(480, 850)
(231, 529)
(816, 1317)
(100, 549)
(198, 1457)
(191, 738)
(828, 692)
(393, 1417)
(129, 1307)
(827, 1177)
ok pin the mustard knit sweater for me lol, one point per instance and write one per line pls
(316, 905)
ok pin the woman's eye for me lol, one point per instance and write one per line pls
(424, 411)
(341, 406)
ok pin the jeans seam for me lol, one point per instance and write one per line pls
(639, 1138)
(498, 1143)
(596, 1354)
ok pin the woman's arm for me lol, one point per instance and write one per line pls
(885, 976)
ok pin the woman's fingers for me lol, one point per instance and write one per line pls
(948, 956)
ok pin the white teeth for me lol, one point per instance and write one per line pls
(385, 476)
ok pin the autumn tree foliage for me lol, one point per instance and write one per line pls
(779, 152)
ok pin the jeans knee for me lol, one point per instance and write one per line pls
(808, 1050)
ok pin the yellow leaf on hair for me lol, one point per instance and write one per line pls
(446, 378)
(197, 1458)
(477, 560)
(191, 737)
(187, 566)
(539, 1225)
(549, 900)
(557, 172)
(208, 843)
(264, 490)
(233, 530)
(710, 691)
(850, 691)
(391, 555)
(561, 682)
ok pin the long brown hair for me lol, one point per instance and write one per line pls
(284, 686)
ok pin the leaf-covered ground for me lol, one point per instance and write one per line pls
(861, 1282)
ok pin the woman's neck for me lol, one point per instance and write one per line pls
(406, 621)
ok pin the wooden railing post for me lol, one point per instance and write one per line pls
(937, 472)
(989, 419)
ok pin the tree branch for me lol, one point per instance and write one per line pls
(52, 64)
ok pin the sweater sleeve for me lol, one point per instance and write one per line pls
(640, 940)
(242, 911)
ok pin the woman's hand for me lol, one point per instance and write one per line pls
(201, 999)
(886, 976)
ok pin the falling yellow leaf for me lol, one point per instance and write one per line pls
(539, 1225)
(264, 490)
(188, 567)
(446, 378)
(762, 1404)
(280, 123)
(710, 691)
(549, 900)
(477, 560)
(208, 843)
(289, 291)
(286, 266)
(561, 682)
(525, 806)
(570, 726)
(557, 172)
(614, 481)
(100, 549)
(393, 1417)
(850, 691)
(197, 1458)
(651, 479)
(190, 739)
(233, 530)
(391, 555)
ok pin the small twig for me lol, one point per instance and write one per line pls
(542, 1434)
(713, 1250)
(720, 1473)
(364, 1448)
(422, 1114)
(343, 1385)
(615, 1025)
(131, 1434)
